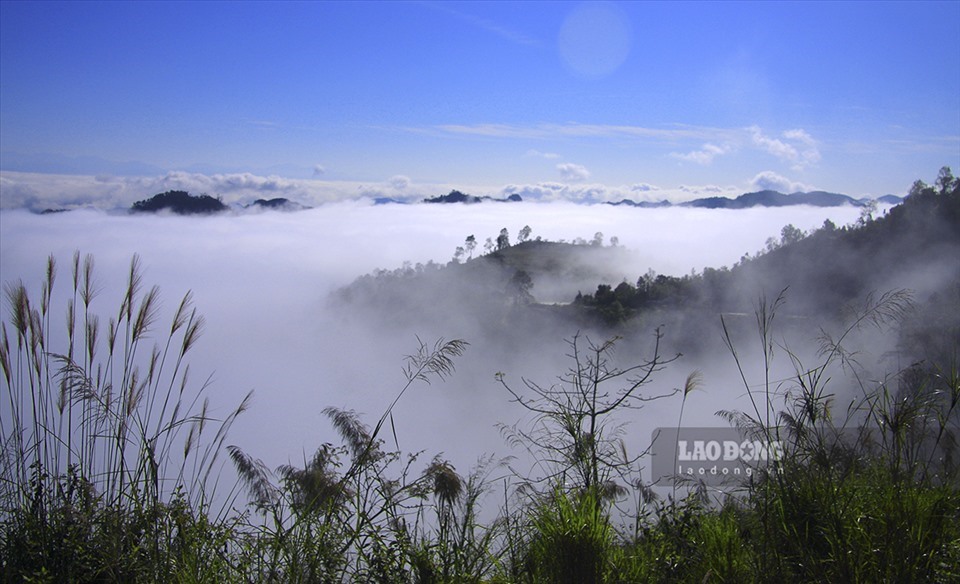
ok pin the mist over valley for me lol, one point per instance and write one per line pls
(457, 344)
(317, 308)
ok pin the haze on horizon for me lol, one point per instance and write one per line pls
(103, 104)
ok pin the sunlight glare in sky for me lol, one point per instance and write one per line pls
(595, 39)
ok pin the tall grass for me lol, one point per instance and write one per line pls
(865, 494)
(376, 520)
(109, 454)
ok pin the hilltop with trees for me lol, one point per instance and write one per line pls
(181, 203)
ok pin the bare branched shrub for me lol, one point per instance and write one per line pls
(576, 436)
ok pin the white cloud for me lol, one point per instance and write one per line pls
(538, 154)
(773, 146)
(705, 155)
(771, 181)
(263, 123)
(491, 26)
(399, 182)
(801, 136)
(578, 193)
(575, 130)
(573, 172)
(230, 183)
(598, 193)
(801, 154)
(795, 147)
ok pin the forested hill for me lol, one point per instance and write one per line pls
(836, 265)
(181, 203)
(823, 270)
(915, 246)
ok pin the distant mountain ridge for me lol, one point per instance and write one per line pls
(768, 198)
(765, 198)
(183, 203)
(458, 197)
(278, 204)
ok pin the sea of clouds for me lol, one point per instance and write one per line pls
(263, 281)
(41, 191)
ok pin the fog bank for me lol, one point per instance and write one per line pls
(262, 282)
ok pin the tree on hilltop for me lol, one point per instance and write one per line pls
(180, 202)
(503, 240)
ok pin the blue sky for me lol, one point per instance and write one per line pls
(562, 100)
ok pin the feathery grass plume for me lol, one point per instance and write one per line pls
(19, 304)
(90, 288)
(75, 384)
(92, 333)
(5, 353)
(133, 393)
(112, 332)
(146, 314)
(75, 270)
(317, 484)
(256, 476)
(134, 283)
(71, 325)
(351, 429)
(215, 446)
(184, 312)
(46, 285)
(188, 443)
(195, 324)
(694, 381)
(437, 361)
(84, 491)
(445, 482)
(355, 525)
(456, 546)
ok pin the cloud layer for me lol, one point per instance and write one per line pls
(38, 192)
(262, 281)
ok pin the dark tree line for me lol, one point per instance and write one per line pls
(181, 203)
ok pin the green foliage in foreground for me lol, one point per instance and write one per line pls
(109, 473)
